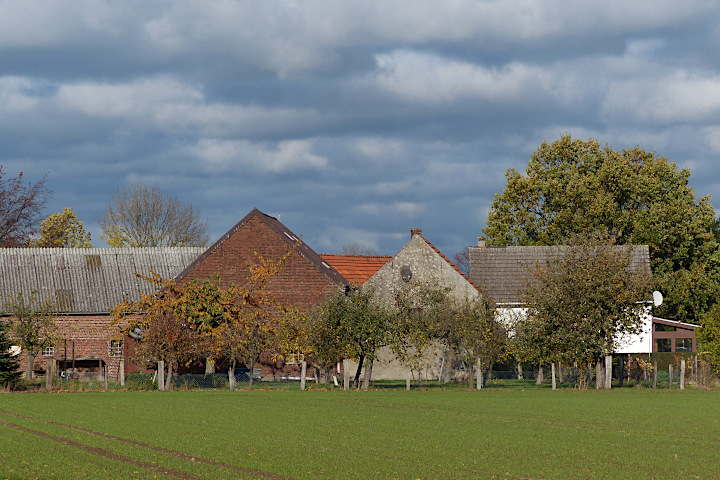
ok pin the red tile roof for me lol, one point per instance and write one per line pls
(357, 269)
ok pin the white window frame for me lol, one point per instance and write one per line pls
(48, 351)
(116, 348)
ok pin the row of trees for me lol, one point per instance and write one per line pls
(137, 216)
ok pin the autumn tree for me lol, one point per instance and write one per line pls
(32, 324)
(572, 186)
(139, 216)
(181, 323)
(20, 205)
(174, 325)
(62, 230)
(9, 366)
(584, 302)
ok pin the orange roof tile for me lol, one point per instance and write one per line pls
(357, 269)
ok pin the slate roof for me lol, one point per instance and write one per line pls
(503, 273)
(357, 269)
(284, 233)
(87, 280)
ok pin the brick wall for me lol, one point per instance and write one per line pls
(299, 283)
(91, 335)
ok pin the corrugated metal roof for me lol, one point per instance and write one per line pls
(503, 273)
(87, 280)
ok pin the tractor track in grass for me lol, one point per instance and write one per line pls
(113, 456)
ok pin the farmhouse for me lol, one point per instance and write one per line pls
(85, 284)
(418, 263)
(503, 274)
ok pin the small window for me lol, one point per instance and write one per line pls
(664, 328)
(116, 348)
(683, 344)
(48, 351)
(662, 345)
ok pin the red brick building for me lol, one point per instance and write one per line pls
(85, 284)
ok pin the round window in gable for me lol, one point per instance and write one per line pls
(406, 273)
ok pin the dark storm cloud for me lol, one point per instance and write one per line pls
(352, 121)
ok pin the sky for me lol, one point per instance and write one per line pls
(352, 122)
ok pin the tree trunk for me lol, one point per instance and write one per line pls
(253, 360)
(622, 370)
(554, 386)
(599, 376)
(161, 375)
(168, 380)
(209, 366)
(448, 363)
(29, 366)
(356, 381)
(368, 374)
(540, 376)
(346, 375)
(231, 375)
(519, 371)
(480, 375)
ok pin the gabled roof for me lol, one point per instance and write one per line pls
(356, 268)
(442, 255)
(504, 272)
(87, 280)
(286, 235)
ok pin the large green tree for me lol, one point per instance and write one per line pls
(573, 186)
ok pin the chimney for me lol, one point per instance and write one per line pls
(481, 243)
(415, 232)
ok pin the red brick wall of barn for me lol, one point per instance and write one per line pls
(91, 335)
(299, 283)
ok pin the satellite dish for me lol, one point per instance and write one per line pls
(657, 298)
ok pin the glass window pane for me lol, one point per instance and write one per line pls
(662, 345)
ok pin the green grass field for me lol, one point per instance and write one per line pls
(494, 433)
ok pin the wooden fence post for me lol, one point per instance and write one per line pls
(121, 373)
(48, 374)
(682, 374)
(105, 374)
(303, 372)
(161, 375)
(655, 374)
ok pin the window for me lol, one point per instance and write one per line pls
(683, 344)
(48, 351)
(664, 328)
(662, 345)
(116, 348)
